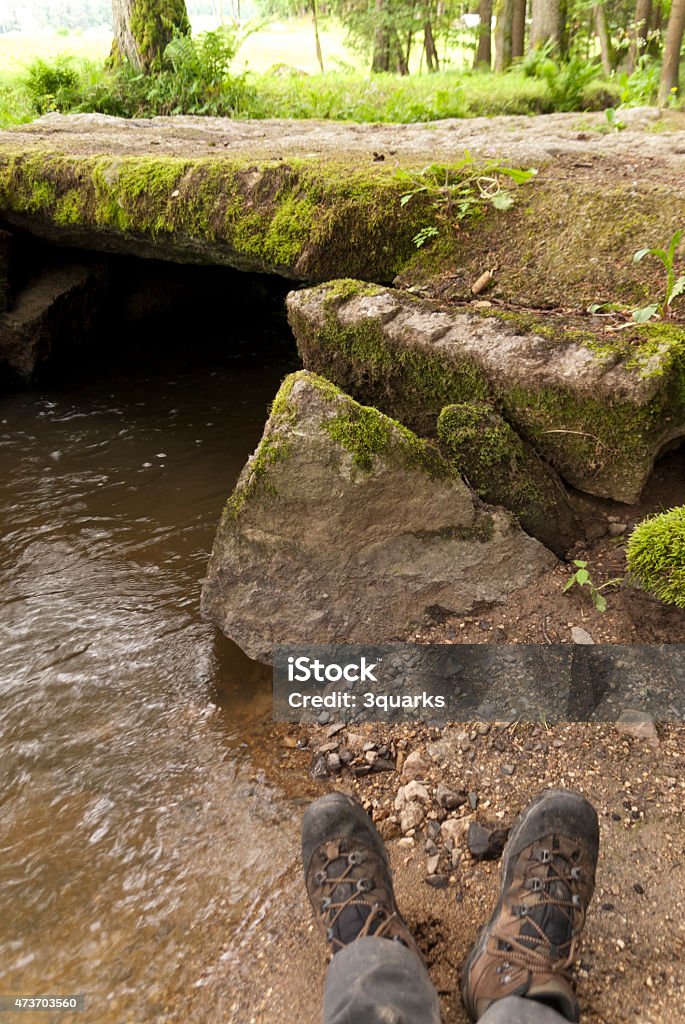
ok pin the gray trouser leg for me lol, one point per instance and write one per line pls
(514, 1010)
(377, 981)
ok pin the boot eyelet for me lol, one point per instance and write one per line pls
(535, 884)
(354, 858)
(325, 903)
(576, 874)
(329, 934)
(364, 885)
(320, 877)
(544, 856)
(575, 899)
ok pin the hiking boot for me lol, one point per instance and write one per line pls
(347, 874)
(548, 877)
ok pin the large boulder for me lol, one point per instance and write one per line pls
(346, 527)
(598, 407)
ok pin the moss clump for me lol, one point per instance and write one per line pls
(367, 433)
(656, 555)
(152, 27)
(505, 471)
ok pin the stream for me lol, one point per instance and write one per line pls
(134, 823)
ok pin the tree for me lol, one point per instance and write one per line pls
(640, 29)
(672, 46)
(518, 28)
(143, 29)
(602, 29)
(484, 50)
(547, 25)
(504, 10)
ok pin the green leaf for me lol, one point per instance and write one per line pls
(579, 562)
(502, 200)
(405, 198)
(569, 584)
(640, 254)
(600, 602)
(678, 289)
(517, 174)
(582, 576)
(641, 316)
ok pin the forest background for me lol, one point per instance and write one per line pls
(361, 60)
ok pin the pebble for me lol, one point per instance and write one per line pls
(333, 763)
(405, 842)
(450, 799)
(415, 791)
(616, 529)
(473, 799)
(411, 816)
(455, 828)
(432, 864)
(580, 636)
(486, 843)
(383, 764)
(334, 729)
(508, 769)
(324, 718)
(415, 766)
(438, 881)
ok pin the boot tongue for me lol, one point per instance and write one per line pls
(555, 922)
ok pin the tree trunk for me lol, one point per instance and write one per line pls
(602, 29)
(432, 59)
(504, 10)
(143, 28)
(518, 28)
(484, 50)
(546, 26)
(643, 13)
(380, 61)
(672, 45)
(317, 40)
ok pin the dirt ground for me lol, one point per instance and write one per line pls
(632, 961)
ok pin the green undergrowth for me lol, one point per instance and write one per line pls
(655, 556)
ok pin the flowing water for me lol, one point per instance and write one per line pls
(133, 822)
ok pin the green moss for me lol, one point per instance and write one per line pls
(656, 556)
(367, 433)
(152, 25)
(408, 382)
(68, 208)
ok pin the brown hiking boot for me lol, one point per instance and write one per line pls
(347, 874)
(548, 877)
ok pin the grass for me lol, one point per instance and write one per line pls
(283, 80)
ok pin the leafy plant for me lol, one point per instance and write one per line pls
(614, 122)
(462, 190)
(675, 286)
(582, 579)
(52, 85)
(640, 88)
(656, 555)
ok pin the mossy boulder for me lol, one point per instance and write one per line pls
(505, 470)
(599, 410)
(301, 219)
(344, 526)
(656, 556)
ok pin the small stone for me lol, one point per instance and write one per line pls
(430, 848)
(383, 764)
(434, 829)
(405, 842)
(346, 755)
(319, 768)
(334, 729)
(483, 728)
(415, 791)
(508, 769)
(371, 756)
(400, 799)
(324, 718)
(455, 828)
(361, 770)
(290, 742)
(608, 906)
(450, 799)
(580, 636)
(326, 748)
(638, 889)
(411, 817)
(333, 764)
(438, 881)
(415, 766)
(432, 864)
(616, 529)
(473, 799)
(355, 741)
(485, 843)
